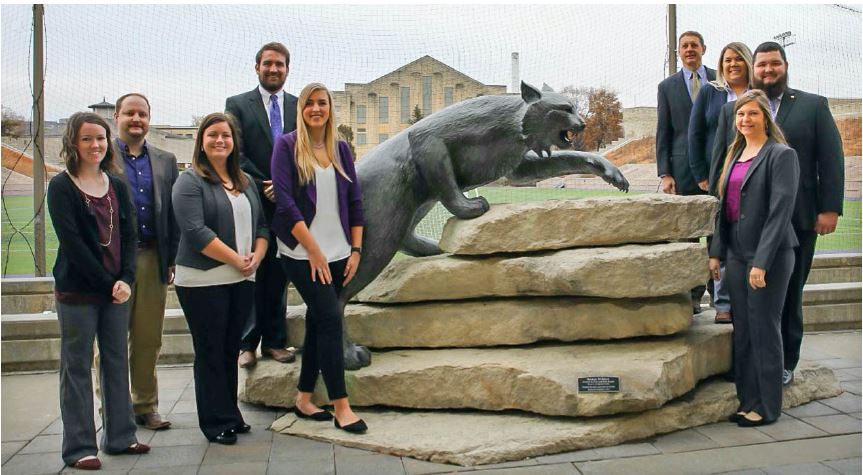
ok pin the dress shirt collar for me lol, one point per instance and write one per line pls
(124, 147)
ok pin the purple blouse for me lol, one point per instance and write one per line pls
(732, 196)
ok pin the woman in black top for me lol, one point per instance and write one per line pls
(91, 212)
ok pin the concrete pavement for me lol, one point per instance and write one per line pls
(819, 437)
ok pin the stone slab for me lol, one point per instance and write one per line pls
(475, 323)
(561, 224)
(540, 379)
(473, 438)
(629, 271)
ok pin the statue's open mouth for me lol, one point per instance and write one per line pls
(567, 136)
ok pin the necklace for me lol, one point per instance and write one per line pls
(110, 217)
(318, 146)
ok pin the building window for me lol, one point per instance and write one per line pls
(383, 137)
(405, 105)
(447, 96)
(361, 136)
(361, 114)
(427, 95)
(383, 109)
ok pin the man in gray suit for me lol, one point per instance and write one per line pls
(150, 173)
(808, 125)
(674, 105)
(263, 114)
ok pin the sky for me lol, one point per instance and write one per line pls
(188, 58)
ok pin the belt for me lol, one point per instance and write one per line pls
(147, 244)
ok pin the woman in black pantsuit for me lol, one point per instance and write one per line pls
(755, 238)
(223, 237)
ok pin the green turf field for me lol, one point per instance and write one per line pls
(17, 257)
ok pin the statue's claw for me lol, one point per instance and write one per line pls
(614, 177)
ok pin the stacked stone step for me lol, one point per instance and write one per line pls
(529, 299)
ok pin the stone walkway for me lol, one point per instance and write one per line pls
(819, 437)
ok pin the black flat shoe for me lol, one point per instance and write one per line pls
(241, 428)
(225, 438)
(744, 422)
(318, 416)
(357, 427)
(735, 418)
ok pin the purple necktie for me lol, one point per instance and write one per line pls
(275, 118)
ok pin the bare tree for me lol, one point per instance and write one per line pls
(12, 123)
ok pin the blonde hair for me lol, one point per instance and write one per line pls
(743, 51)
(304, 153)
(773, 131)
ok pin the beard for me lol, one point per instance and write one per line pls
(272, 83)
(772, 90)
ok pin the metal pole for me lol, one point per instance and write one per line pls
(672, 38)
(38, 125)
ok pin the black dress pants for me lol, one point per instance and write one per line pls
(322, 348)
(757, 337)
(267, 324)
(792, 312)
(216, 315)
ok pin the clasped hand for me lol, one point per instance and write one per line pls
(248, 264)
(121, 292)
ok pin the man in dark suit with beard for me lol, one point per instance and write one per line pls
(263, 114)
(810, 130)
(674, 105)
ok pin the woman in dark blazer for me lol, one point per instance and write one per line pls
(733, 78)
(319, 228)
(91, 211)
(223, 237)
(755, 239)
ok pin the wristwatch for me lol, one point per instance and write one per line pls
(358, 250)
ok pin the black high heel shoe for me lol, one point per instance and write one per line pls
(357, 427)
(318, 416)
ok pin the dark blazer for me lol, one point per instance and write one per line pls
(78, 267)
(205, 213)
(810, 130)
(702, 129)
(673, 108)
(165, 172)
(295, 203)
(766, 205)
(256, 138)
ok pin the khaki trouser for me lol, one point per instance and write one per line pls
(146, 316)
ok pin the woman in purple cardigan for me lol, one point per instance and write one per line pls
(319, 228)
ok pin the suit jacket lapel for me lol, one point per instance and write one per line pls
(256, 103)
(684, 88)
(757, 160)
(156, 167)
(788, 100)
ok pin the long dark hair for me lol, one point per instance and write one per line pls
(201, 164)
(773, 131)
(69, 150)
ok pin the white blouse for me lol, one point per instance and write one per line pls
(326, 226)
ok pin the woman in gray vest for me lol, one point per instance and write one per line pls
(223, 237)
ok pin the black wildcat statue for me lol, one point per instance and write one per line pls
(467, 145)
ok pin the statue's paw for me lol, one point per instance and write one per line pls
(475, 207)
(615, 178)
(357, 357)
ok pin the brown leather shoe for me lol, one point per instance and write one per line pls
(152, 421)
(88, 464)
(722, 317)
(247, 359)
(282, 355)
